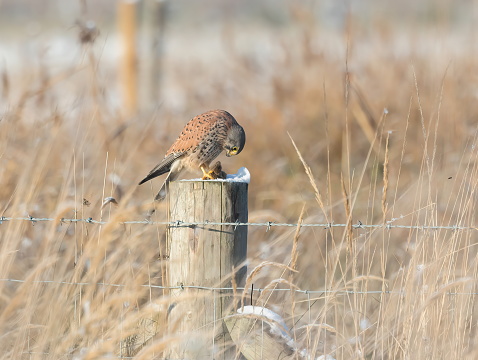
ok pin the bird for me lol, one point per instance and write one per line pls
(201, 141)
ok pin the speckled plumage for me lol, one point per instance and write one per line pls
(202, 140)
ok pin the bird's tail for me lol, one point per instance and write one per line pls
(161, 195)
(163, 192)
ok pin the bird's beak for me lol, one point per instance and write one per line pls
(228, 153)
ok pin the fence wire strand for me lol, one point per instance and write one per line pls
(269, 224)
(214, 289)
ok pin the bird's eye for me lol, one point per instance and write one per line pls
(234, 149)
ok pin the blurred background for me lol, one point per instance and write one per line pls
(378, 96)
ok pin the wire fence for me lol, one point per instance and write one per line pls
(249, 290)
(311, 296)
(269, 224)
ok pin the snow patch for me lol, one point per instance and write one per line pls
(279, 328)
(365, 324)
(282, 329)
(242, 176)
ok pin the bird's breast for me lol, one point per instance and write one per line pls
(206, 152)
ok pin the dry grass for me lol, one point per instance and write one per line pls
(65, 145)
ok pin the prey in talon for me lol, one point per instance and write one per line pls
(215, 172)
(202, 140)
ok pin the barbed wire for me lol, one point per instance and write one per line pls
(212, 288)
(268, 224)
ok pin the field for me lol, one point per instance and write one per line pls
(355, 115)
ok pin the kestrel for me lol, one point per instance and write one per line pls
(202, 140)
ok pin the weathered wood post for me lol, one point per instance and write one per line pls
(205, 256)
(128, 69)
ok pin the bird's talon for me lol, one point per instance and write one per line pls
(209, 175)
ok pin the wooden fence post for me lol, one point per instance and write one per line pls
(128, 69)
(204, 256)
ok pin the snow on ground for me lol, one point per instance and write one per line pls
(281, 330)
(279, 327)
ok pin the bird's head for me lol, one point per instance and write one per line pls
(236, 138)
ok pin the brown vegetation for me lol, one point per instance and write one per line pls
(370, 123)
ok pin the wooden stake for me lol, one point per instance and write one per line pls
(128, 70)
(203, 255)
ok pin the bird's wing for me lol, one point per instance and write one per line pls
(163, 167)
(195, 131)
